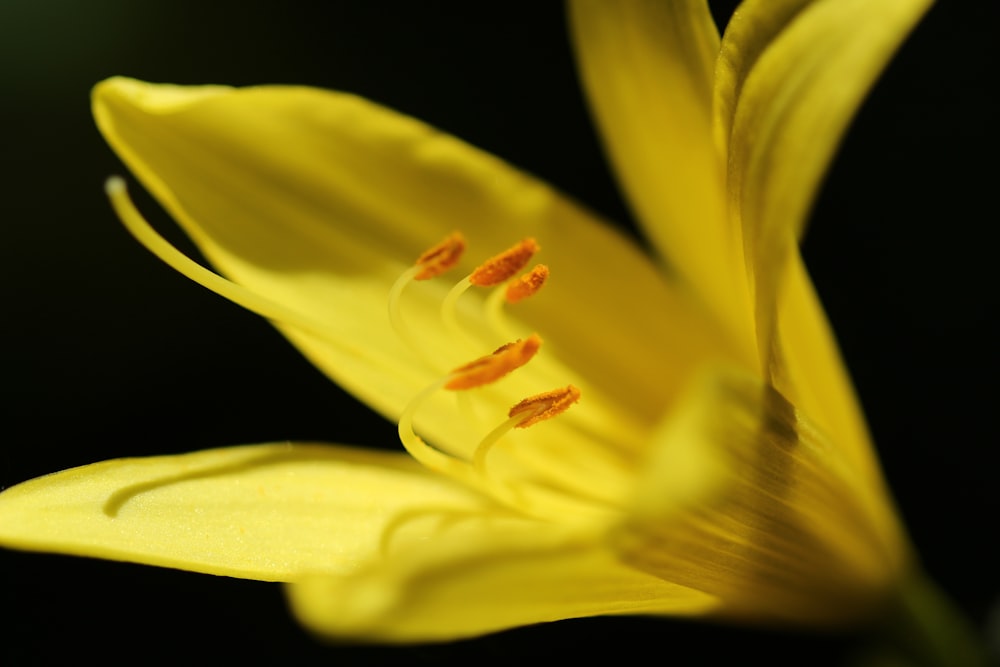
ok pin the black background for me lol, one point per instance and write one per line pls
(108, 353)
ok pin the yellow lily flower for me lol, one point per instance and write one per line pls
(717, 463)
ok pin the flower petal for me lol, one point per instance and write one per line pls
(751, 29)
(319, 200)
(647, 68)
(745, 500)
(469, 584)
(791, 75)
(268, 512)
(810, 371)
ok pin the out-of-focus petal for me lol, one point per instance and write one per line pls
(809, 367)
(752, 28)
(471, 582)
(745, 500)
(268, 512)
(647, 68)
(790, 77)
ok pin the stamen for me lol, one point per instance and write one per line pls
(527, 285)
(545, 406)
(516, 290)
(524, 414)
(430, 264)
(490, 273)
(504, 266)
(474, 374)
(432, 458)
(494, 366)
(449, 313)
(441, 257)
(144, 233)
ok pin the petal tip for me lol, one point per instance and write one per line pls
(151, 97)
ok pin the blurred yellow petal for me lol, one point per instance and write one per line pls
(812, 373)
(791, 75)
(319, 200)
(794, 74)
(750, 31)
(478, 581)
(647, 68)
(744, 499)
(268, 512)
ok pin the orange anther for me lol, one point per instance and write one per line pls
(545, 406)
(494, 366)
(504, 266)
(527, 285)
(441, 257)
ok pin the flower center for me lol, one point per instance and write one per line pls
(499, 272)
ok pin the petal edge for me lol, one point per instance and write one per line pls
(267, 512)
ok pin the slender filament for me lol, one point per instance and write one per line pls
(433, 459)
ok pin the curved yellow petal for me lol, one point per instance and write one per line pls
(794, 74)
(744, 499)
(751, 29)
(810, 370)
(647, 68)
(485, 580)
(268, 512)
(790, 77)
(319, 200)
